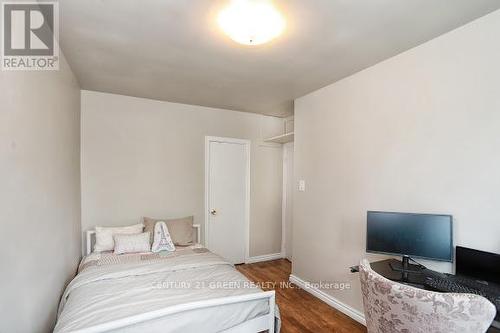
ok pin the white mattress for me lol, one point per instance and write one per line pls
(130, 296)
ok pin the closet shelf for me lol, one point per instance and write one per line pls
(284, 138)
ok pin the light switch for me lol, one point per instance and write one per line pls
(302, 185)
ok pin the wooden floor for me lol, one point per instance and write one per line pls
(300, 311)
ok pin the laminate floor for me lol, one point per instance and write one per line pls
(300, 311)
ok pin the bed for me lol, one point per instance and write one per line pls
(188, 290)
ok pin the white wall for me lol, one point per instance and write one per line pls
(144, 157)
(39, 195)
(417, 133)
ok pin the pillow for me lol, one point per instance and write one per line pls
(162, 240)
(131, 243)
(104, 236)
(181, 230)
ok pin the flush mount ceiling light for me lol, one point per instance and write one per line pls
(251, 22)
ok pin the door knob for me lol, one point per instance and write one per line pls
(213, 211)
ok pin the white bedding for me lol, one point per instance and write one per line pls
(134, 296)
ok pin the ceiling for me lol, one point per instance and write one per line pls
(172, 50)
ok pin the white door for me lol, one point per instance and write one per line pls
(227, 197)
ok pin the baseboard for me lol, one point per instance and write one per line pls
(266, 257)
(330, 300)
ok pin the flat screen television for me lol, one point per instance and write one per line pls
(426, 236)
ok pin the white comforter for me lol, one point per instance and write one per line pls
(134, 297)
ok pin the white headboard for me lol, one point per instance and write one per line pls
(90, 235)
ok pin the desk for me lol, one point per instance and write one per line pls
(412, 279)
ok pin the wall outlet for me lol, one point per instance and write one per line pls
(302, 185)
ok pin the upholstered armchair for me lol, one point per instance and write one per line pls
(391, 307)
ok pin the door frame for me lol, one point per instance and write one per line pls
(247, 144)
(286, 200)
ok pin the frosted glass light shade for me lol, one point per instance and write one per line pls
(251, 22)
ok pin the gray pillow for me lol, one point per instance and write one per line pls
(181, 229)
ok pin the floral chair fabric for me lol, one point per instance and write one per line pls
(391, 307)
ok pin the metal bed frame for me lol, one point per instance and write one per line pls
(262, 323)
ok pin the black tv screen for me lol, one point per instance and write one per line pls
(416, 235)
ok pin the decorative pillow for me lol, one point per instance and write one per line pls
(104, 236)
(181, 230)
(132, 243)
(162, 239)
